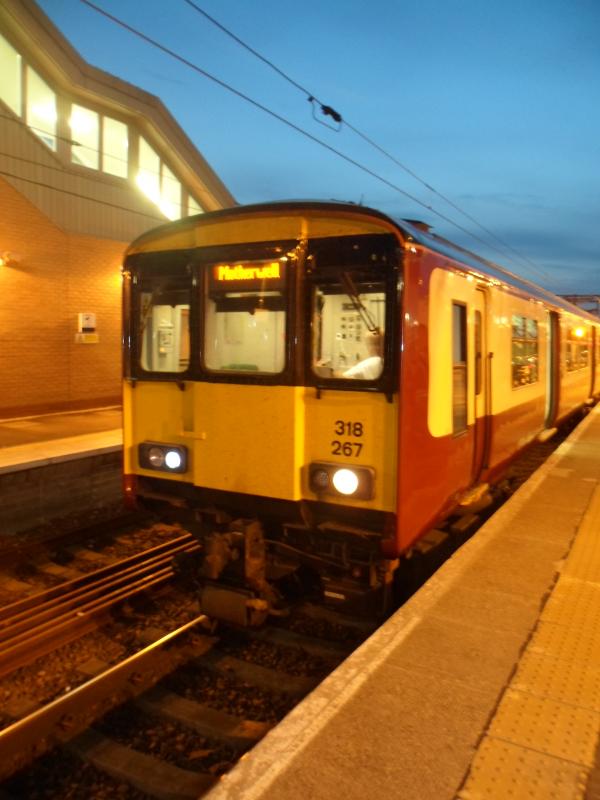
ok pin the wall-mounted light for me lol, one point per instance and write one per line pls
(9, 259)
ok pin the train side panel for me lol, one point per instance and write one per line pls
(435, 464)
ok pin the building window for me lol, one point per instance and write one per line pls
(115, 147)
(157, 182)
(577, 350)
(170, 194)
(524, 351)
(41, 109)
(10, 76)
(193, 207)
(87, 149)
(85, 132)
(148, 177)
(459, 368)
(97, 141)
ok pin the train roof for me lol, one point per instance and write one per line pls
(411, 230)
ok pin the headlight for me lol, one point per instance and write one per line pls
(335, 479)
(173, 459)
(345, 481)
(163, 457)
(156, 457)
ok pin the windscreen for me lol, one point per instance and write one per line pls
(245, 317)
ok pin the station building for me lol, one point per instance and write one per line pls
(87, 163)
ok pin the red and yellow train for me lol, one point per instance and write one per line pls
(314, 386)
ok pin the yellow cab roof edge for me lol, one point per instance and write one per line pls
(291, 207)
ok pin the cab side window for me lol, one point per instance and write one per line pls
(348, 332)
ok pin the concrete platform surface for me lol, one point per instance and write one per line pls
(486, 684)
(31, 442)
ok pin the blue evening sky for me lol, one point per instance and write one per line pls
(493, 103)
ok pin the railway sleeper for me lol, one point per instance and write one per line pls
(151, 776)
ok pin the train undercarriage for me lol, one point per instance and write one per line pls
(258, 556)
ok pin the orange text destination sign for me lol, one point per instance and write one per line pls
(240, 272)
(249, 275)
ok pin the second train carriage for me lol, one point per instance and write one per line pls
(315, 385)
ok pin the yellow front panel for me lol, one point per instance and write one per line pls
(247, 439)
(259, 440)
(154, 412)
(354, 429)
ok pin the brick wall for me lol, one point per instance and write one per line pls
(57, 275)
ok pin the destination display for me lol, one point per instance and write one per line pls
(247, 276)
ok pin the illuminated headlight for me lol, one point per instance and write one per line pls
(345, 481)
(173, 459)
(163, 457)
(355, 482)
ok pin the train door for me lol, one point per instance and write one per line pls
(594, 335)
(481, 385)
(552, 368)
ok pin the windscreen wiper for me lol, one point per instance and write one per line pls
(358, 304)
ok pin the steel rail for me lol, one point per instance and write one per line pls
(74, 597)
(11, 610)
(85, 611)
(68, 715)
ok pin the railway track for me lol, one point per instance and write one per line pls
(193, 705)
(48, 621)
(165, 719)
(34, 626)
(108, 651)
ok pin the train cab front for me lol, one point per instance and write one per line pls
(260, 403)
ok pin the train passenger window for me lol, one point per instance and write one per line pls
(577, 349)
(348, 330)
(459, 368)
(245, 317)
(525, 348)
(164, 328)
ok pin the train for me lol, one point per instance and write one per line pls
(313, 387)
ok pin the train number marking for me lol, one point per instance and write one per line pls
(347, 428)
(346, 448)
(343, 428)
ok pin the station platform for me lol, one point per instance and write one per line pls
(59, 471)
(485, 685)
(30, 442)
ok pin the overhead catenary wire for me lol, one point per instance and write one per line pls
(86, 174)
(79, 195)
(337, 117)
(178, 57)
(302, 131)
(67, 139)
